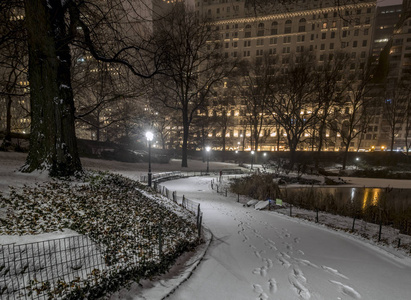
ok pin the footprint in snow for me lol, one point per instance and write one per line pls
(260, 271)
(262, 296)
(301, 252)
(347, 290)
(257, 253)
(272, 285)
(305, 262)
(268, 262)
(298, 274)
(257, 288)
(299, 287)
(334, 272)
(284, 262)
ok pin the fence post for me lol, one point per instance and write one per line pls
(184, 201)
(160, 240)
(316, 217)
(199, 225)
(379, 232)
(353, 223)
(399, 243)
(238, 197)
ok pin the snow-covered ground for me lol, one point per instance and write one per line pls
(266, 255)
(260, 254)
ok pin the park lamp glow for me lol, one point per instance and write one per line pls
(149, 136)
(208, 148)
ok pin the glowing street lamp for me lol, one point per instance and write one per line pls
(252, 159)
(208, 148)
(149, 136)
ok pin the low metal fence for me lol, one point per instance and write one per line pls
(27, 270)
(188, 204)
(163, 176)
(54, 268)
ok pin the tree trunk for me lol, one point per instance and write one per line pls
(278, 139)
(292, 157)
(7, 138)
(184, 153)
(321, 137)
(392, 141)
(347, 146)
(223, 152)
(53, 144)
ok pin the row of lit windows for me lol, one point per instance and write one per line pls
(247, 44)
(301, 37)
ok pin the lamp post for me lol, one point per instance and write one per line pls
(208, 148)
(149, 136)
(252, 159)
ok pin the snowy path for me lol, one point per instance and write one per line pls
(263, 255)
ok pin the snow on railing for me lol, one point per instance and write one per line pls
(186, 203)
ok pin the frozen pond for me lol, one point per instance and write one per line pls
(366, 196)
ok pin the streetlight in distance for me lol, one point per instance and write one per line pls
(252, 158)
(149, 136)
(208, 148)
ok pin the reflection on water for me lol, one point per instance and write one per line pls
(366, 196)
(371, 196)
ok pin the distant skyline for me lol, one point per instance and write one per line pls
(388, 2)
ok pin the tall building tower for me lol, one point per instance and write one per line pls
(249, 31)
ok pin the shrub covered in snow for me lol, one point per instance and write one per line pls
(115, 212)
(259, 187)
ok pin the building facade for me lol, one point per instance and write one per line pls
(317, 27)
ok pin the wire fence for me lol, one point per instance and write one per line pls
(163, 176)
(56, 268)
(186, 203)
(53, 269)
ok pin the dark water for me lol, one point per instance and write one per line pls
(367, 196)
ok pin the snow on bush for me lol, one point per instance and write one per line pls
(115, 213)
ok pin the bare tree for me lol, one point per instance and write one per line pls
(255, 86)
(394, 106)
(294, 104)
(356, 111)
(13, 75)
(408, 124)
(98, 27)
(164, 121)
(222, 118)
(329, 90)
(106, 96)
(194, 65)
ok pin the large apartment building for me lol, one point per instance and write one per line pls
(252, 29)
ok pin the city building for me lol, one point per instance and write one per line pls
(319, 27)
